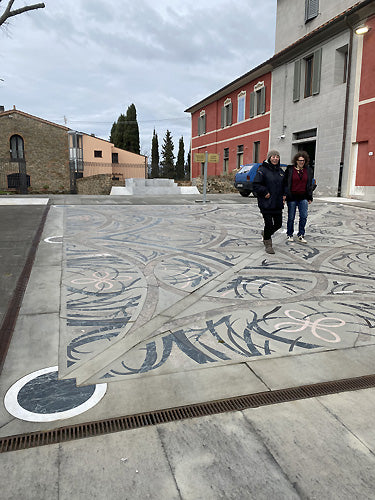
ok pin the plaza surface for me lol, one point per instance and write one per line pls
(153, 303)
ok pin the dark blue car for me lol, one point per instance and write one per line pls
(243, 180)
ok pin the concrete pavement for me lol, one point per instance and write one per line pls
(162, 302)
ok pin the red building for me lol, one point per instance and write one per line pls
(323, 100)
(365, 168)
(234, 123)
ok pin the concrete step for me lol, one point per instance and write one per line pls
(155, 187)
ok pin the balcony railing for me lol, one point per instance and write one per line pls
(120, 170)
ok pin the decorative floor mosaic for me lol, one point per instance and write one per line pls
(151, 290)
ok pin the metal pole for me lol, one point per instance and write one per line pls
(205, 178)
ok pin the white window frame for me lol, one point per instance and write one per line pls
(227, 113)
(241, 106)
(258, 100)
(202, 123)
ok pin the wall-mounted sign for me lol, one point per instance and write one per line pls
(213, 158)
(199, 157)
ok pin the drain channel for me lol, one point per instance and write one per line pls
(100, 427)
(10, 318)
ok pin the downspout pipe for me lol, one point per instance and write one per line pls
(346, 109)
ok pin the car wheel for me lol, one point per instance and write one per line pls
(244, 193)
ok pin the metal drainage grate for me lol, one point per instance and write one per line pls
(100, 427)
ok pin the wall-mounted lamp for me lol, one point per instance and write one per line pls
(362, 30)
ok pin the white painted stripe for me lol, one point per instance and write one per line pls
(50, 239)
(367, 101)
(231, 139)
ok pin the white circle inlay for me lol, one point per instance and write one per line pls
(14, 408)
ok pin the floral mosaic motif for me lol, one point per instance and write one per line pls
(103, 294)
(321, 328)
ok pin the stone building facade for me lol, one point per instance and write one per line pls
(42, 144)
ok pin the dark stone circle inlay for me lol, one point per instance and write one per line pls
(46, 394)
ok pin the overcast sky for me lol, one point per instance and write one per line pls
(83, 62)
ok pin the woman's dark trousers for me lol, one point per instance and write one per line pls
(272, 222)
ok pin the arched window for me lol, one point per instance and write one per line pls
(16, 147)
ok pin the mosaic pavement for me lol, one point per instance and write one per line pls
(155, 290)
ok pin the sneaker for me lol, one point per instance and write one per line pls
(289, 238)
(301, 239)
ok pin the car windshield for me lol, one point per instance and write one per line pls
(245, 168)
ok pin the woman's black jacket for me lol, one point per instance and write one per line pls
(309, 184)
(269, 179)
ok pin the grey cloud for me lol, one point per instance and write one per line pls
(89, 59)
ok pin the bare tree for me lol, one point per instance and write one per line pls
(8, 12)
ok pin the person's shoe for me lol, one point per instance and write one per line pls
(301, 239)
(289, 238)
(268, 245)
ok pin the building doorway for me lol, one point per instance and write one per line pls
(310, 148)
(306, 141)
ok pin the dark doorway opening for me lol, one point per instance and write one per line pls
(310, 148)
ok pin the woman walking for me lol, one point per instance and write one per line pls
(269, 187)
(299, 188)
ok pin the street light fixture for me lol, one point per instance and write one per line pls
(362, 30)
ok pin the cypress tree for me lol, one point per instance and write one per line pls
(155, 156)
(125, 132)
(113, 133)
(187, 166)
(118, 139)
(180, 163)
(131, 131)
(168, 156)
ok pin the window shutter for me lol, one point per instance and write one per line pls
(262, 101)
(203, 124)
(199, 125)
(317, 63)
(297, 80)
(230, 113)
(16, 147)
(311, 9)
(13, 147)
(222, 116)
(252, 104)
